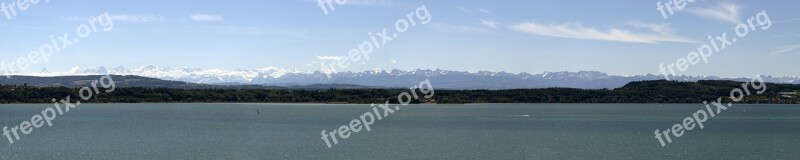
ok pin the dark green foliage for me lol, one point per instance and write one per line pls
(634, 92)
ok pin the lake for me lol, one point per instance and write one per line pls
(472, 131)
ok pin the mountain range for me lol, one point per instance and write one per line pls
(444, 79)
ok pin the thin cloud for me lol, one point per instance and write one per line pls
(386, 3)
(577, 31)
(74, 18)
(459, 28)
(478, 10)
(488, 23)
(787, 20)
(123, 18)
(241, 30)
(207, 18)
(137, 18)
(484, 11)
(463, 9)
(298, 34)
(724, 12)
(785, 49)
(261, 31)
(382, 3)
(330, 58)
(660, 28)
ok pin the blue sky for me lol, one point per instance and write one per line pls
(617, 37)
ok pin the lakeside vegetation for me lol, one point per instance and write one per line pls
(659, 91)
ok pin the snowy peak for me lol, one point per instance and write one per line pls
(391, 78)
(148, 68)
(194, 75)
(575, 75)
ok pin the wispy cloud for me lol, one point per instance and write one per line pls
(459, 28)
(787, 20)
(475, 10)
(382, 3)
(73, 18)
(785, 49)
(484, 11)
(463, 9)
(371, 2)
(298, 34)
(659, 28)
(724, 12)
(141, 18)
(577, 31)
(330, 58)
(137, 18)
(207, 18)
(241, 30)
(261, 31)
(488, 23)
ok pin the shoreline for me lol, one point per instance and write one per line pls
(312, 103)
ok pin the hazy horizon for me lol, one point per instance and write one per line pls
(77, 71)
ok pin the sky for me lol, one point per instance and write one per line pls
(623, 37)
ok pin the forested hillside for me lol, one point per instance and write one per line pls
(635, 92)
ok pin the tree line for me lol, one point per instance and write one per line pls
(659, 91)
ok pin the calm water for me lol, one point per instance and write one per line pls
(490, 131)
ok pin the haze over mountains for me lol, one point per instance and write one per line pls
(445, 79)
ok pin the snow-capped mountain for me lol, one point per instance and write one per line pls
(444, 79)
(193, 75)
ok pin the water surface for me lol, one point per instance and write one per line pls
(480, 131)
